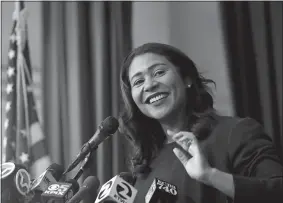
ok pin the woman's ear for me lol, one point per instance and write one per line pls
(188, 81)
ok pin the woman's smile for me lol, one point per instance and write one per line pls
(156, 98)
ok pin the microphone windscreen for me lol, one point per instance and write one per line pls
(110, 125)
(91, 182)
(90, 185)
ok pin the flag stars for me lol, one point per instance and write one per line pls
(9, 88)
(24, 157)
(8, 106)
(11, 71)
(11, 54)
(6, 124)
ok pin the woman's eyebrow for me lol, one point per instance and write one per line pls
(149, 68)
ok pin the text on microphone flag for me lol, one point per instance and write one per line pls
(118, 190)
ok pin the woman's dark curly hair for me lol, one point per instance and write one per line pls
(146, 134)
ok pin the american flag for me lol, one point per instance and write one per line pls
(23, 140)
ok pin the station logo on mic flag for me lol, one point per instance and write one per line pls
(118, 190)
(22, 181)
(7, 169)
(58, 192)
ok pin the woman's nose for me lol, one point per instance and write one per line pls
(149, 85)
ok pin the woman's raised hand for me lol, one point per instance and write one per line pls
(196, 166)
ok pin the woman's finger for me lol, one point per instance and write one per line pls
(181, 156)
(190, 145)
(185, 143)
(183, 133)
(183, 139)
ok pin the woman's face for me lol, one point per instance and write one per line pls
(156, 86)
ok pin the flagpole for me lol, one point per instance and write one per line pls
(24, 141)
(18, 81)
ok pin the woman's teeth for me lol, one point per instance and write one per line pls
(154, 99)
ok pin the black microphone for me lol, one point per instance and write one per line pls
(161, 191)
(15, 181)
(86, 164)
(51, 175)
(91, 183)
(107, 127)
(60, 192)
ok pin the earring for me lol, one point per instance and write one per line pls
(189, 85)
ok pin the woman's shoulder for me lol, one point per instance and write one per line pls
(234, 121)
(231, 125)
(238, 129)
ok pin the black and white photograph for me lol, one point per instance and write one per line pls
(141, 102)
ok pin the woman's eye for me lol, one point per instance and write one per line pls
(138, 82)
(159, 72)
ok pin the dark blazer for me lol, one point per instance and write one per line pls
(236, 146)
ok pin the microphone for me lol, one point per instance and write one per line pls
(15, 181)
(60, 192)
(116, 190)
(86, 164)
(105, 129)
(91, 183)
(51, 175)
(161, 191)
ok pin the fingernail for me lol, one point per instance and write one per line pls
(175, 150)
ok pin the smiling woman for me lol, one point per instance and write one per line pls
(156, 86)
(179, 138)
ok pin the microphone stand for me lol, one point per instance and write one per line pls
(84, 165)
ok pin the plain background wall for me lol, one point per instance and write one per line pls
(193, 27)
(150, 22)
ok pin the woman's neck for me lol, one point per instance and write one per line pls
(175, 124)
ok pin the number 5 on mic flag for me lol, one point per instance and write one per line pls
(118, 190)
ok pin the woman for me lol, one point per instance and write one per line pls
(178, 137)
